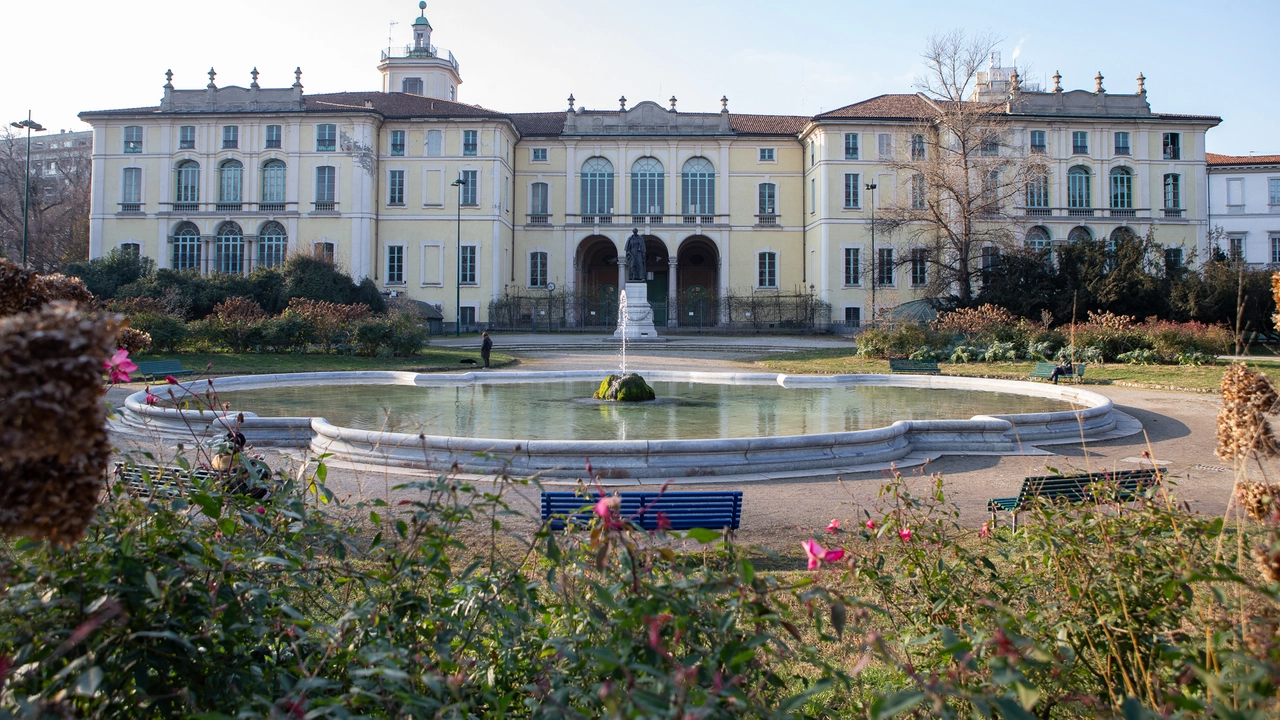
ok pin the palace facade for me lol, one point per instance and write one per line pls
(460, 206)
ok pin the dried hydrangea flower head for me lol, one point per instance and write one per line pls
(1247, 397)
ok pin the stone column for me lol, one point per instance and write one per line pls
(672, 310)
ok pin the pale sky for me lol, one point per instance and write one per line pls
(528, 55)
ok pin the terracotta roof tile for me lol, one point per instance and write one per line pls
(1216, 159)
(123, 111)
(539, 123)
(888, 107)
(767, 124)
(396, 105)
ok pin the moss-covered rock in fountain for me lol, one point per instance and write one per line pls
(625, 388)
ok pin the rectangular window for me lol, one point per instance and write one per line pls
(326, 138)
(131, 191)
(469, 142)
(230, 136)
(1273, 191)
(1122, 143)
(1172, 144)
(539, 155)
(1172, 191)
(273, 137)
(395, 187)
(395, 264)
(326, 186)
(768, 270)
(917, 147)
(1275, 249)
(919, 266)
(813, 196)
(884, 143)
(411, 85)
(813, 153)
(768, 200)
(852, 266)
(852, 317)
(990, 146)
(470, 187)
(851, 146)
(133, 139)
(397, 142)
(1037, 141)
(186, 137)
(467, 315)
(852, 191)
(467, 265)
(1173, 258)
(538, 270)
(989, 255)
(918, 197)
(1236, 242)
(766, 154)
(1080, 142)
(884, 266)
(540, 200)
(435, 141)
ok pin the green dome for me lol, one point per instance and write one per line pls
(420, 20)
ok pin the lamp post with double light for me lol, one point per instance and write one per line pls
(871, 188)
(30, 125)
(460, 183)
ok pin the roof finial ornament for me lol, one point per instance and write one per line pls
(212, 75)
(673, 103)
(570, 102)
(422, 8)
(724, 103)
(168, 79)
(1015, 81)
(622, 103)
(1142, 85)
(297, 77)
(1097, 83)
(1057, 81)
(254, 74)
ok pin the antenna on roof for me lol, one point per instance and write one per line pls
(390, 30)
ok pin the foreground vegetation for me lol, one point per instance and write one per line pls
(430, 359)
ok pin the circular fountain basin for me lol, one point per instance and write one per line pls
(702, 424)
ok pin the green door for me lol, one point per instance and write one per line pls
(658, 298)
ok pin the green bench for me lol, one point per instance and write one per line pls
(161, 368)
(1044, 371)
(917, 367)
(1074, 489)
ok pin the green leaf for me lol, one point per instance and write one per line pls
(1027, 695)
(1133, 710)
(211, 716)
(748, 571)
(885, 707)
(89, 680)
(210, 506)
(152, 585)
(839, 615)
(375, 518)
(1011, 710)
(703, 535)
(402, 528)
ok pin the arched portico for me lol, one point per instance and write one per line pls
(698, 282)
(597, 281)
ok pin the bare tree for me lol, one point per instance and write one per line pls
(58, 219)
(960, 171)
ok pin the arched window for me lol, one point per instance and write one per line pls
(230, 185)
(1038, 238)
(1079, 194)
(272, 245)
(597, 187)
(1038, 193)
(186, 247)
(648, 187)
(229, 249)
(272, 186)
(1121, 189)
(186, 196)
(1079, 233)
(698, 186)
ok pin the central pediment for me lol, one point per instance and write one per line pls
(646, 118)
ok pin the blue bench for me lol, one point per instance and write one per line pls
(915, 367)
(684, 510)
(160, 368)
(1074, 489)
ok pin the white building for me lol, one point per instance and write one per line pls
(1244, 200)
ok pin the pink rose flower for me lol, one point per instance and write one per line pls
(119, 366)
(905, 534)
(171, 379)
(152, 399)
(985, 531)
(818, 554)
(834, 526)
(871, 524)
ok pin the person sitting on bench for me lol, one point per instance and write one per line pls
(1064, 369)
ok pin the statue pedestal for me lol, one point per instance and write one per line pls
(636, 319)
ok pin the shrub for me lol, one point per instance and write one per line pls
(1000, 352)
(1170, 338)
(397, 334)
(236, 323)
(1141, 356)
(966, 354)
(1194, 358)
(104, 276)
(1041, 351)
(974, 324)
(133, 340)
(165, 331)
(334, 324)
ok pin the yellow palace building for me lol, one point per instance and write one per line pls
(481, 213)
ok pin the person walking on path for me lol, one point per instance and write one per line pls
(486, 347)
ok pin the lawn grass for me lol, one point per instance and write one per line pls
(1204, 378)
(431, 359)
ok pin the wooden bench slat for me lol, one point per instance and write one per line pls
(919, 367)
(683, 510)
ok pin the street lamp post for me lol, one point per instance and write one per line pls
(871, 187)
(459, 183)
(30, 125)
